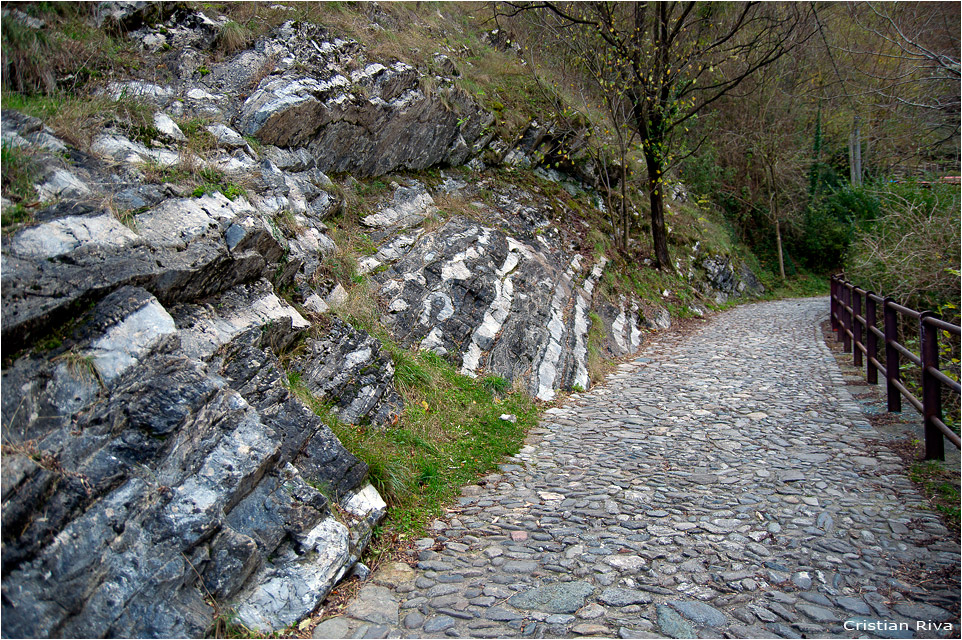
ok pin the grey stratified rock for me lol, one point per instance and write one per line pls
(374, 604)
(22, 131)
(672, 624)
(475, 294)
(350, 368)
(617, 597)
(699, 612)
(166, 126)
(190, 471)
(127, 15)
(408, 208)
(726, 279)
(226, 136)
(369, 121)
(178, 253)
(561, 597)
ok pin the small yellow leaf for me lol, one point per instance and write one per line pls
(425, 405)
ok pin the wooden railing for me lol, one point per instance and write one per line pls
(862, 332)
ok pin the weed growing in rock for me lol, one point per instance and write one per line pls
(450, 432)
(232, 37)
(287, 223)
(941, 487)
(17, 178)
(80, 365)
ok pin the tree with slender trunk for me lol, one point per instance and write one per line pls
(669, 61)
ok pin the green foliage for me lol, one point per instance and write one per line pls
(18, 175)
(215, 181)
(19, 172)
(449, 432)
(495, 384)
(829, 226)
(941, 487)
(408, 373)
(801, 285)
(910, 249)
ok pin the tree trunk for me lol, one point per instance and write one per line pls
(624, 199)
(659, 234)
(778, 241)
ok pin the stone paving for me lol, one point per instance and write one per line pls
(720, 485)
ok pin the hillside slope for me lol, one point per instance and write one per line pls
(216, 272)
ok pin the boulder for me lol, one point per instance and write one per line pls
(725, 278)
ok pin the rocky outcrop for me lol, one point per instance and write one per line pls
(496, 294)
(160, 332)
(155, 463)
(302, 90)
(143, 479)
(726, 278)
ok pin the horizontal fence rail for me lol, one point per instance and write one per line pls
(858, 331)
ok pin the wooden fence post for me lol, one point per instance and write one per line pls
(931, 389)
(871, 346)
(891, 355)
(856, 328)
(846, 317)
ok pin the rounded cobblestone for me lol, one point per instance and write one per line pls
(725, 483)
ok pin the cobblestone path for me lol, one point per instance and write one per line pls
(720, 485)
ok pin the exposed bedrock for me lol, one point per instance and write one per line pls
(159, 334)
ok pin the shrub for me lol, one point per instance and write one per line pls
(910, 250)
(829, 225)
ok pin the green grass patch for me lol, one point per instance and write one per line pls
(204, 181)
(801, 285)
(76, 118)
(597, 366)
(449, 433)
(941, 487)
(18, 174)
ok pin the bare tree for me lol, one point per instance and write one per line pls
(900, 62)
(669, 61)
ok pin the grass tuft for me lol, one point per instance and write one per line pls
(233, 36)
(941, 487)
(449, 433)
